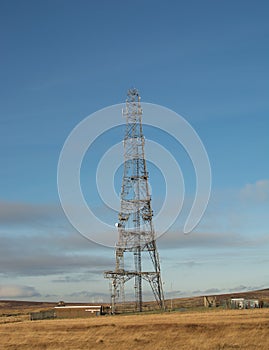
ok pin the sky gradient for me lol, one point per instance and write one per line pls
(63, 60)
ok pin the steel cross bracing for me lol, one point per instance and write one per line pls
(135, 228)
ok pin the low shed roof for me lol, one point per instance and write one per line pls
(78, 307)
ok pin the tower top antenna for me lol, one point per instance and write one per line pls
(133, 94)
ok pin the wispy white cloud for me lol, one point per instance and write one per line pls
(211, 291)
(177, 240)
(88, 296)
(258, 192)
(50, 254)
(12, 213)
(188, 263)
(15, 291)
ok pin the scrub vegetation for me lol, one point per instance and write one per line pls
(211, 329)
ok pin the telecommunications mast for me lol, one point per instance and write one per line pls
(135, 227)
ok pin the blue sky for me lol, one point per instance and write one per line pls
(62, 61)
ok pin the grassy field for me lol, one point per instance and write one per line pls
(212, 329)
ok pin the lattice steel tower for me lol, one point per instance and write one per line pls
(135, 228)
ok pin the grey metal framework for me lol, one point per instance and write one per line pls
(135, 228)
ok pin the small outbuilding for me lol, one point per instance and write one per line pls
(241, 303)
(251, 303)
(78, 311)
(237, 303)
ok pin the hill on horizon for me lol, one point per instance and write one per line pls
(20, 306)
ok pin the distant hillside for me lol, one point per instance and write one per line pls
(15, 307)
(199, 301)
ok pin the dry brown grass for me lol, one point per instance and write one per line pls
(218, 330)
